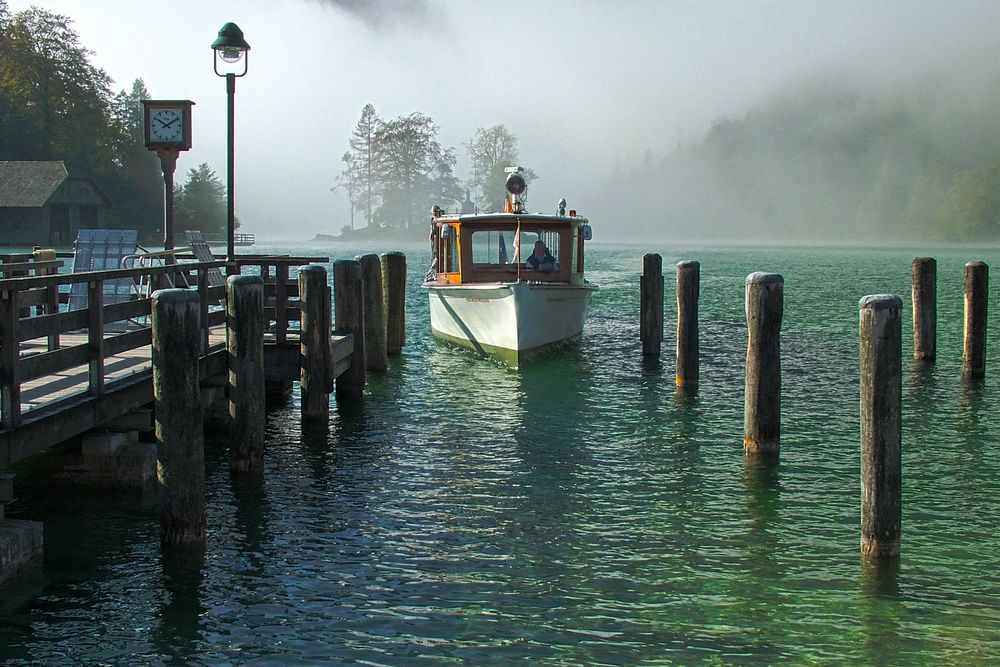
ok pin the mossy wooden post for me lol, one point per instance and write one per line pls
(394, 297)
(376, 355)
(976, 287)
(881, 424)
(924, 308)
(349, 315)
(314, 342)
(762, 405)
(245, 350)
(651, 305)
(688, 288)
(176, 337)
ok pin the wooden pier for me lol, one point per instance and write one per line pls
(64, 372)
(69, 372)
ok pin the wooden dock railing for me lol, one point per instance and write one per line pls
(32, 310)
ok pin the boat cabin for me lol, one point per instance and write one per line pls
(498, 247)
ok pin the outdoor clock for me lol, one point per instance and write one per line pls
(167, 124)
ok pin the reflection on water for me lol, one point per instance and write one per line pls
(180, 618)
(582, 510)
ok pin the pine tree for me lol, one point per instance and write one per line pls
(363, 158)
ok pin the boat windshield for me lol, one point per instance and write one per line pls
(535, 249)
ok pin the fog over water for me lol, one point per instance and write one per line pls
(614, 104)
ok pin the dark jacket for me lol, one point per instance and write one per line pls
(536, 263)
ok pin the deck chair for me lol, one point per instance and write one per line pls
(99, 250)
(200, 249)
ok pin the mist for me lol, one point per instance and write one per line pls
(716, 120)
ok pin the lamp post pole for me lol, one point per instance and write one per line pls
(230, 171)
(231, 49)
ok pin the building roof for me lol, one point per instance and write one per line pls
(30, 184)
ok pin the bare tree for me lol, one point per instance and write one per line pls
(490, 148)
(350, 180)
(490, 151)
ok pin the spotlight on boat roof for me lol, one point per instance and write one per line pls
(516, 185)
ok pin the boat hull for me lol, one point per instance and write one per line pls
(509, 321)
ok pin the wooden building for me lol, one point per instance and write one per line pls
(41, 204)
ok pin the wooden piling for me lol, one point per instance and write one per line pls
(688, 288)
(176, 338)
(314, 342)
(924, 296)
(349, 315)
(881, 424)
(651, 304)
(762, 405)
(376, 355)
(976, 287)
(245, 348)
(394, 297)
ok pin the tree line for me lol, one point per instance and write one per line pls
(917, 162)
(56, 104)
(396, 170)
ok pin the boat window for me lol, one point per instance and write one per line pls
(493, 247)
(448, 256)
(550, 241)
(577, 260)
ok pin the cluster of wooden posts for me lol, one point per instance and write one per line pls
(369, 305)
(881, 373)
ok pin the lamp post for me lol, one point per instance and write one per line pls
(231, 49)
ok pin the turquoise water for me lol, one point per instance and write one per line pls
(574, 512)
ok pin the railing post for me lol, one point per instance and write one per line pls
(95, 336)
(314, 343)
(350, 320)
(280, 303)
(179, 422)
(203, 295)
(10, 380)
(51, 292)
(245, 347)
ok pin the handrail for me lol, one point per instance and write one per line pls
(29, 282)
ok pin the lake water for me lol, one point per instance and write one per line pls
(575, 512)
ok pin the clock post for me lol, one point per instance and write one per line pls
(167, 128)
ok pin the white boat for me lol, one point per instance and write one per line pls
(488, 293)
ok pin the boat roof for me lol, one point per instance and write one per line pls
(510, 217)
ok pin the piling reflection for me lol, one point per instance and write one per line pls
(971, 427)
(252, 518)
(879, 610)
(760, 547)
(182, 612)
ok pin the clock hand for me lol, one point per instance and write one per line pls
(176, 118)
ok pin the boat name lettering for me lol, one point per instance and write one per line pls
(476, 298)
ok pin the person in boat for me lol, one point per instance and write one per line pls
(540, 259)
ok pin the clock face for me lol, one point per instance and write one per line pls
(166, 125)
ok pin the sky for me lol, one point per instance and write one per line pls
(582, 83)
